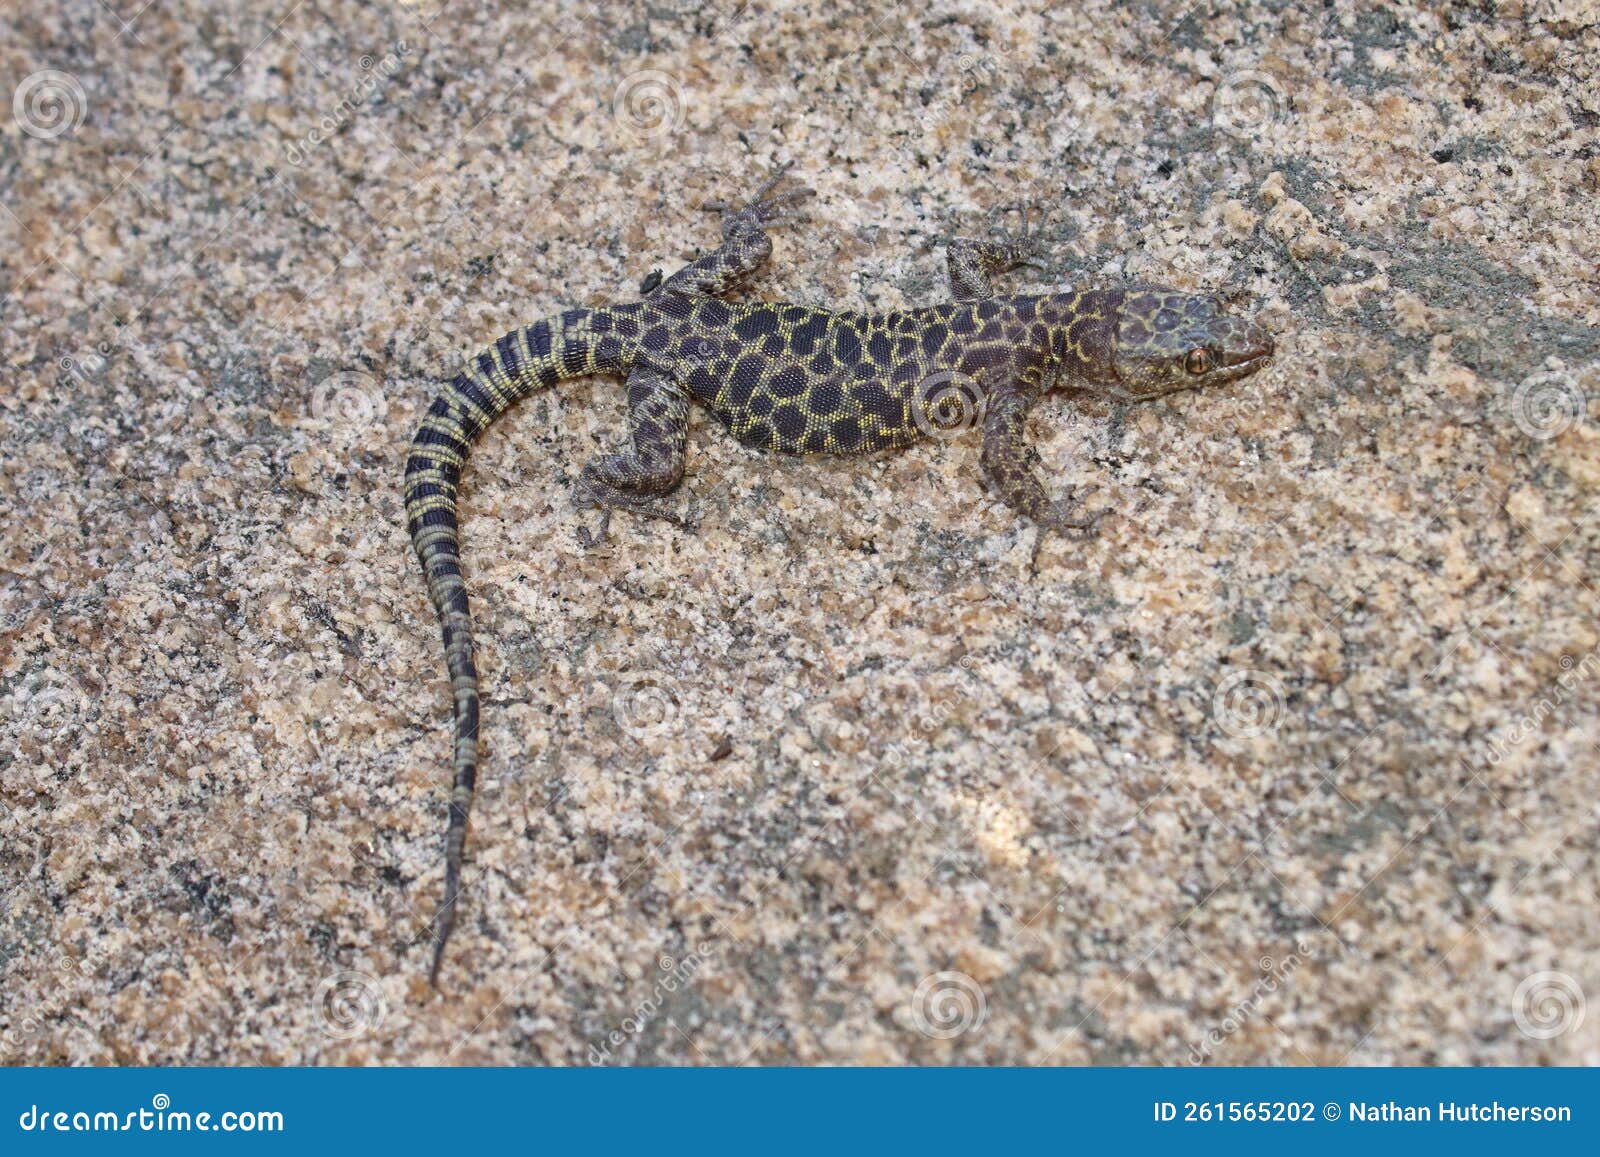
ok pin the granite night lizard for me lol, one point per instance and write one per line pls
(800, 380)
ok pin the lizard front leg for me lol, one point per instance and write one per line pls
(971, 262)
(650, 462)
(1004, 461)
(745, 244)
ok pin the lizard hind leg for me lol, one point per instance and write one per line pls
(649, 464)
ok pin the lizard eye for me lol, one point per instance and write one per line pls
(1198, 361)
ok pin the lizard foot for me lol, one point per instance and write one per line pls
(1007, 249)
(764, 208)
(589, 541)
(1064, 518)
(594, 493)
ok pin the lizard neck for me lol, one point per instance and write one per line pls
(1080, 332)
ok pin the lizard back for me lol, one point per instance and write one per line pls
(802, 380)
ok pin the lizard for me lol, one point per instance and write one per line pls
(800, 380)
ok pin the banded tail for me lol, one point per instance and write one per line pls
(534, 357)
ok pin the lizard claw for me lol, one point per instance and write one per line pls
(594, 493)
(590, 541)
(1004, 249)
(764, 208)
(1024, 246)
(1064, 518)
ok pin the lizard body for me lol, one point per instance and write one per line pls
(796, 379)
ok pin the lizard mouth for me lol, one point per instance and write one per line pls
(1247, 359)
(1255, 353)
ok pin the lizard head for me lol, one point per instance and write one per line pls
(1169, 341)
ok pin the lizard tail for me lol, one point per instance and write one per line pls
(534, 357)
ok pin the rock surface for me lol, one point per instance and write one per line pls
(1295, 763)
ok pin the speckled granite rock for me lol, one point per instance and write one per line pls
(1295, 763)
